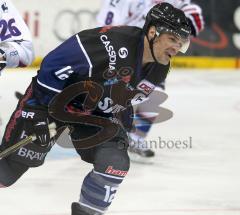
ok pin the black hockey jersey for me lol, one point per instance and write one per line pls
(106, 56)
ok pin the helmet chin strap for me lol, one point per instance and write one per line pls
(151, 41)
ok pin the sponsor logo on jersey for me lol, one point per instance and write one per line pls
(111, 82)
(123, 52)
(146, 87)
(125, 79)
(111, 52)
(124, 74)
(107, 106)
(115, 120)
(116, 172)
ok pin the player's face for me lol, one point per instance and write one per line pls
(166, 46)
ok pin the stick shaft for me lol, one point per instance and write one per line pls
(16, 146)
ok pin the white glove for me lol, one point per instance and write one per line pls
(194, 14)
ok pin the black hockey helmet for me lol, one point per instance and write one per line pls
(166, 18)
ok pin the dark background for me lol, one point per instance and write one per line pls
(218, 16)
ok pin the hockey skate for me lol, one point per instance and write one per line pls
(77, 209)
(139, 151)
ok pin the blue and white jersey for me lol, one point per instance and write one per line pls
(94, 55)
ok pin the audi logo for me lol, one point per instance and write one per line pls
(69, 22)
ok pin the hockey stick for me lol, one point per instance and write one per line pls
(62, 131)
(16, 146)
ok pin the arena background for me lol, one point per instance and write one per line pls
(217, 47)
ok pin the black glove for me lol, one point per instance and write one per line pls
(36, 123)
(3, 61)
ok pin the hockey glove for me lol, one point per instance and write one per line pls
(37, 123)
(194, 14)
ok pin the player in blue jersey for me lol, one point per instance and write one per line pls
(88, 83)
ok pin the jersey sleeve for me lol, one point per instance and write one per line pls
(15, 36)
(68, 59)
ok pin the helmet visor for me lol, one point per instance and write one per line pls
(182, 36)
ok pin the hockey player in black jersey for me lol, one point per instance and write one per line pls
(87, 83)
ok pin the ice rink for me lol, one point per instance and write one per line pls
(203, 179)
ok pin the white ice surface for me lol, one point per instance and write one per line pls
(203, 180)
